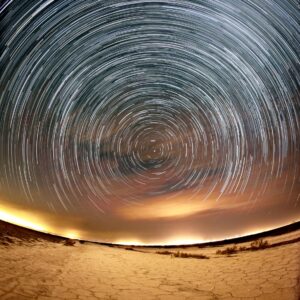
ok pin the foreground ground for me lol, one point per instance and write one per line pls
(41, 269)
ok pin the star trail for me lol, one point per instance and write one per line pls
(151, 120)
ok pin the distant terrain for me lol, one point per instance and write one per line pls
(25, 234)
(8, 231)
(40, 266)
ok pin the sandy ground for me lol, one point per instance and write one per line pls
(45, 270)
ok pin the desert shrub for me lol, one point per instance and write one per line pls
(242, 248)
(190, 255)
(182, 254)
(259, 244)
(228, 250)
(129, 248)
(164, 252)
(70, 242)
(255, 245)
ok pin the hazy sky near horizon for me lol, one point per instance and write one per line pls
(150, 121)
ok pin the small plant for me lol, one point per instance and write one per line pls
(129, 248)
(255, 245)
(259, 244)
(190, 255)
(70, 242)
(228, 250)
(165, 252)
(183, 254)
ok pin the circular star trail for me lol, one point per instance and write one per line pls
(143, 117)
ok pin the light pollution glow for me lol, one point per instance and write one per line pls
(29, 221)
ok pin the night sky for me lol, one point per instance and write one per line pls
(153, 122)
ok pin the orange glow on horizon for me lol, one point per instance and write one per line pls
(163, 208)
(188, 240)
(30, 221)
(21, 221)
(71, 235)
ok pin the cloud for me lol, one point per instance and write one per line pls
(177, 207)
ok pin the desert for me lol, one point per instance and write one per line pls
(39, 266)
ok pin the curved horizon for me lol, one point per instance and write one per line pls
(38, 228)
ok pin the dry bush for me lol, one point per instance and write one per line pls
(129, 248)
(259, 244)
(228, 250)
(164, 252)
(242, 248)
(70, 242)
(183, 254)
(255, 245)
(190, 255)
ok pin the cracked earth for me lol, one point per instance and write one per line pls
(44, 270)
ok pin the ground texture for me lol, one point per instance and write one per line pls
(41, 269)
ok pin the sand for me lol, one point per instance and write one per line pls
(42, 270)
